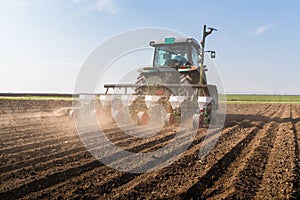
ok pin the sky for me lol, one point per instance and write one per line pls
(44, 43)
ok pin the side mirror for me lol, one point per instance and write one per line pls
(212, 54)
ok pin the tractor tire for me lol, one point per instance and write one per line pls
(212, 113)
(141, 79)
(185, 81)
(192, 77)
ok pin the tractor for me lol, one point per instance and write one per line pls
(174, 91)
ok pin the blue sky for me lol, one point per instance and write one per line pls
(43, 43)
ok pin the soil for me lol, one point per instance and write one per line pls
(256, 157)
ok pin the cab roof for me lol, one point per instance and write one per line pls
(174, 40)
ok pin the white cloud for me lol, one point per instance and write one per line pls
(262, 29)
(107, 5)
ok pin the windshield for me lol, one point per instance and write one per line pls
(168, 55)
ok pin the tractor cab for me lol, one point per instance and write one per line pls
(179, 53)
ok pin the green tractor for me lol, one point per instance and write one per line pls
(174, 90)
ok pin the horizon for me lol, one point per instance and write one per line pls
(67, 94)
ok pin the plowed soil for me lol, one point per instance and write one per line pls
(256, 157)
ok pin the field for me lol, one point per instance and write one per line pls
(231, 98)
(256, 157)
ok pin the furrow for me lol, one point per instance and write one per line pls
(279, 174)
(184, 169)
(213, 182)
(19, 191)
(296, 127)
(41, 166)
(130, 190)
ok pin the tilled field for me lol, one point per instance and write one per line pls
(256, 157)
